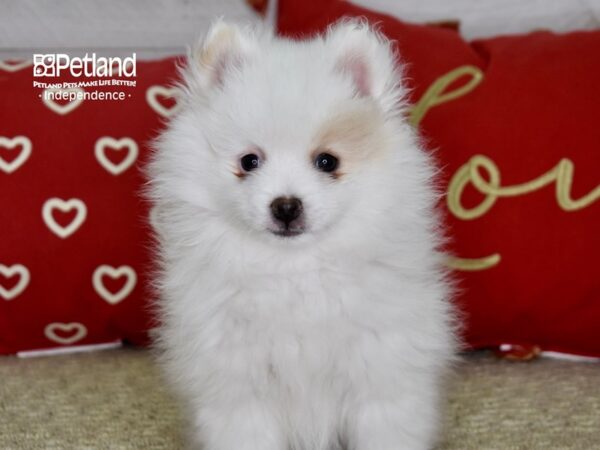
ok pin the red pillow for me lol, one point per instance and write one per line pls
(74, 253)
(514, 124)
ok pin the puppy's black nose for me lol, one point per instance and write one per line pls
(286, 209)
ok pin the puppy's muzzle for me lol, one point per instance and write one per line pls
(287, 212)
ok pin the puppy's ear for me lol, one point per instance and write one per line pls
(224, 48)
(369, 59)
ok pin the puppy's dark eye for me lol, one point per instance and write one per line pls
(326, 162)
(250, 162)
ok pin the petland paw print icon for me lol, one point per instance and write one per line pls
(44, 65)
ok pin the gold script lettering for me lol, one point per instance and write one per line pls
(436, 94)
(473, 264)
(561, 175)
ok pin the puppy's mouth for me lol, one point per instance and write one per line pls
(287, 232)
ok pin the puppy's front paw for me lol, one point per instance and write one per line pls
(392, 426)
(245, 427)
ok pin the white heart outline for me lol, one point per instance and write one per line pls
(9, 271)
(154, 91)
(10, 167)
(57, 107)
(64, 206)
(118, 144)
(50, 332)
(16, 66)
(114, 272)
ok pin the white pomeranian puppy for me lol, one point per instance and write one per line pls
(303, 303)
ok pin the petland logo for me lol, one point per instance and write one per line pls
(65, 78)
(55, 64)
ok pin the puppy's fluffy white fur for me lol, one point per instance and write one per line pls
(334, 339)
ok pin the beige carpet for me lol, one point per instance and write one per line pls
(115, 400)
